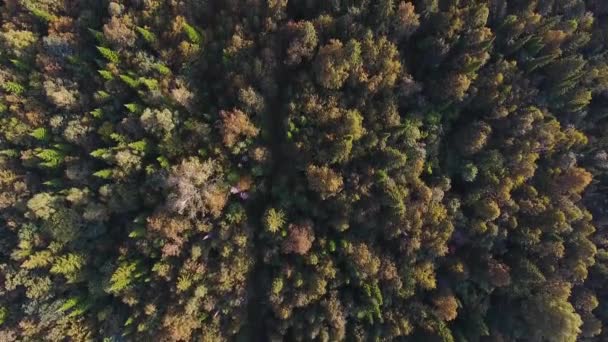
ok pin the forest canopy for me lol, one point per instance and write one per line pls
(304, 170)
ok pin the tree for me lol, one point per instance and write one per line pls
(424, 274)
(42, 205)
(456, 86)
(323, 180)
(69, 265)
(302, 41)
(406, 20)
(499, 273)
(573, 180)
(551, 316)
(18, 42)
(64, 225)
(158, 122)
(488, 209)
(119, 32)
(62, 93)
(381, 65)
(366, 262)
(446, 307)
(473, 138)
(178, 326)
(274, 220)
(123, 277)
(3, 314)
(196, 188)
(335, 62)
(299, 239)
(235, 125)
(469, 172)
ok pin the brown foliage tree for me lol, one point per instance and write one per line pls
(335, 62)
(235, 124)
(324, 180)
(446, 307)
(196, 188)
(299, 239)
(302, 41)
(498, 273)
(118, 31)
(473, 137)
(406, 19)
(574, 181)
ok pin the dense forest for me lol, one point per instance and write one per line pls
(304, 170)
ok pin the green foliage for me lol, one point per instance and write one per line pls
(134, 107)
(40, 14)
(3, 314)
(163, 161)
(40, 133)
(64, 225)
(54, 183)
(38, 259)
(140, 146)
(106, 75)
(20, 65)
(97, 35)
(104, 174)
(108, 54)
(102, 96)
(150, 83)
(184, 282)
(469, 172)
(13, 87)
(130, 81)
(69, 266)
(277, 286)
(124, 276)
(193, 35)
(50, 158)
(79, 306)
(147, 35)
(138, 232)
(161, 68)
(274, 220)
(9, 153)
(118, 138)
(97, 113)
(102, 153)
(540, 62)
(80, 309)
